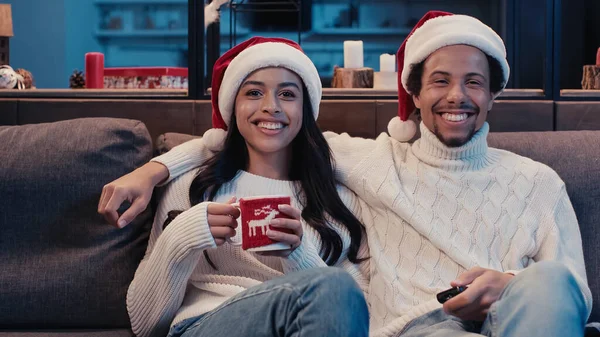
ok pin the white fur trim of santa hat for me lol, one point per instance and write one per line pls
(452, 30)
(263, 55)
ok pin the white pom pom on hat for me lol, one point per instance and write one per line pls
(400, 130)
(436, 30)
(214, 139)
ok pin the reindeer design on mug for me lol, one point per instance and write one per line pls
(262, 223)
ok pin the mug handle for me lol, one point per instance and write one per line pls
(228, 239)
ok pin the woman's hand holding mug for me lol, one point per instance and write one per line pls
(222, 220)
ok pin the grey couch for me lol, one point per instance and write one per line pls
(64, 271)
(62, 268)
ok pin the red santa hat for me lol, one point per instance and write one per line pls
(434, 31)
(233, 67)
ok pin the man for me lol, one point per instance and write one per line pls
(449, 211)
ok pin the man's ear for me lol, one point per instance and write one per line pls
(490, 103)
(417, 101)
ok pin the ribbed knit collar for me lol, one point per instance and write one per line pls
(474, 155)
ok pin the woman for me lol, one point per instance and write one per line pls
(266, 94)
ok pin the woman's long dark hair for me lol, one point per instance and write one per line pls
(312, 167)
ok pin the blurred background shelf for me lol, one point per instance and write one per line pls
(150, 33)
(362, 31)
(548, 41)
(139, 2)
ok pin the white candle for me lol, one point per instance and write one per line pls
(387, 63)
(353, 54)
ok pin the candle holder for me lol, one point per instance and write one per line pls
(385, 80)
(352, 77)
(354, 74)
(387, 77)
(591, 75)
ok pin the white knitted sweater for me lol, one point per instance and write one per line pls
(174, 280)
(432, 212)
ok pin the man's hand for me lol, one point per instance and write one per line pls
(135, 187)
(484, 288)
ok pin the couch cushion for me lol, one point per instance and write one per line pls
(169, 140)
(575, 156)
(62, 266)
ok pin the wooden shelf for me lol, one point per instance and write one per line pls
(522, 93)
(579, 93)
(92, 93)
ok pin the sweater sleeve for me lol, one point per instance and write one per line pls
(359, 271)
(305, 256)
(184, 157)
(160, 281)
(349, 152)
(562, 243)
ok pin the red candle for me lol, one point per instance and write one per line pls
(94, 70)
(598, 58)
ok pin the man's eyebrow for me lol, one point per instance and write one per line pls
(439, 72)
(475, 74)
(445, 73)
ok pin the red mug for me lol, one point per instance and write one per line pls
(253, 223)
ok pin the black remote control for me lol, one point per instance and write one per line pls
(448, 294)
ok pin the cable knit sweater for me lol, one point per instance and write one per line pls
(174, 281)
(432, 212)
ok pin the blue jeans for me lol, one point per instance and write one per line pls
(543, 300)
(315, 302)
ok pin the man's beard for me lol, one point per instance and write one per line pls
(455, 142)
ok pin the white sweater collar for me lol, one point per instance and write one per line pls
(474, 155)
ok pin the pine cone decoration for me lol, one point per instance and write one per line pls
(77, 80)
